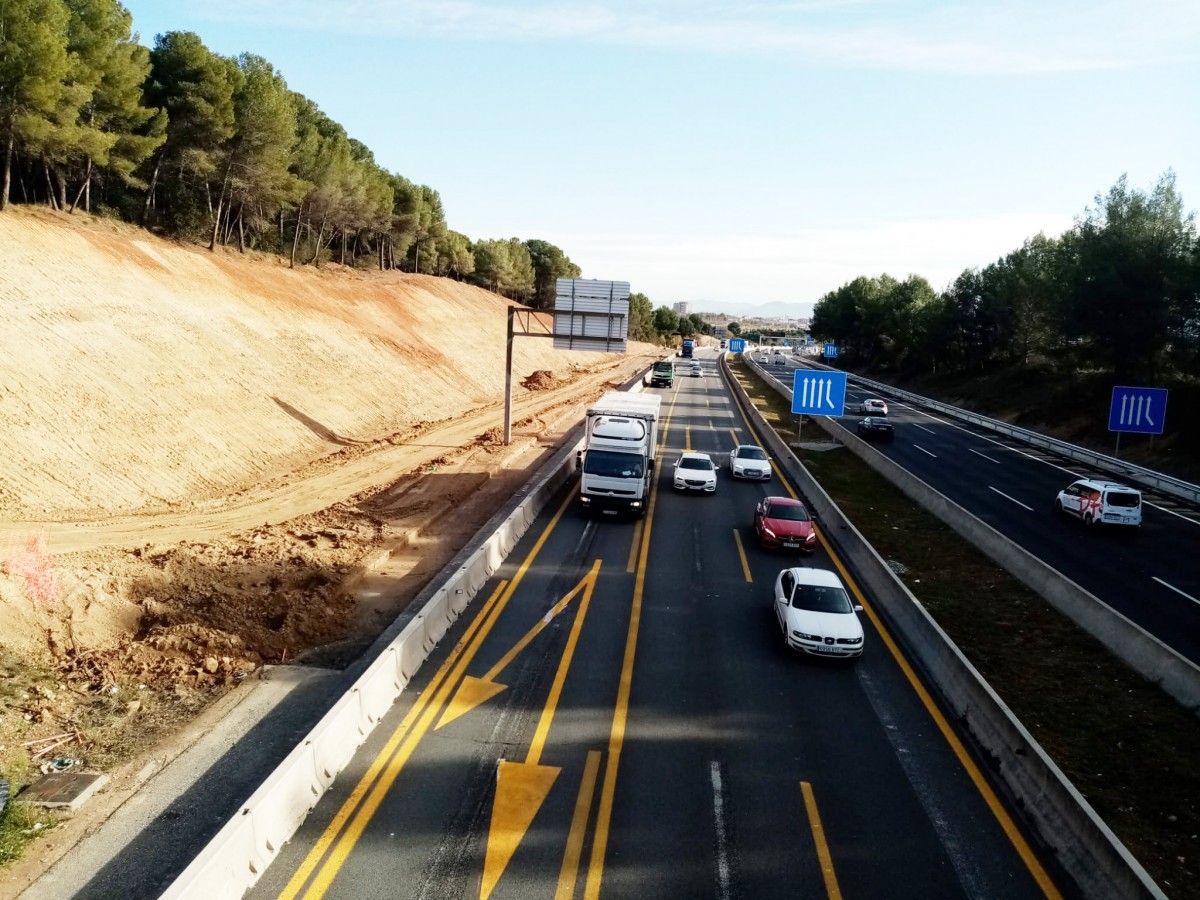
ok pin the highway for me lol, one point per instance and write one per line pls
(1151, 574)
(615, 715)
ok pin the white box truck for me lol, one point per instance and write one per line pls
(616, 463)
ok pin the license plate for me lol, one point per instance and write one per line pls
(791, 544)
(609, 512)
(821, 648)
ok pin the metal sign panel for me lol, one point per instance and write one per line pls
(1140, 410)
(737, 345)
(817, 393)
(830, 351)
(591, 314)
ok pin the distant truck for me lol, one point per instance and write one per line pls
(688, 346)
(616, 463)
(663, 374)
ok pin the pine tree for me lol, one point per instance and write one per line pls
(33, 66)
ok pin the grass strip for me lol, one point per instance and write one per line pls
(1126, 746)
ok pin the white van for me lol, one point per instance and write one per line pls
(1101, 503)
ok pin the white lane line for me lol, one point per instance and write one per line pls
(985, 456)
(926, 452)
(922, 427)
(1013, 499)
(722, 835)
(1175, 589)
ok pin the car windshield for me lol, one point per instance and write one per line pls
(663, 367)
(787, 512)
(820, 598)
(751, 453)
(1123, 498)
(610, 464)
(691, 462)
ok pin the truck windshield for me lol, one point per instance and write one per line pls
(610, 464)
(664, 367)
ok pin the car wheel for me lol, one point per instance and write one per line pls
(1089, 521)
(1059, 509)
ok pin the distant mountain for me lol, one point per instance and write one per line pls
(748, 310)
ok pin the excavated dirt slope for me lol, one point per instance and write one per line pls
(205, 453)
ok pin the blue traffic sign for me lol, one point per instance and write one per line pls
(737, 345)
(1140, 410)
(830, 351)
(817, 393)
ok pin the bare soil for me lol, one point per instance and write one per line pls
(205, 456)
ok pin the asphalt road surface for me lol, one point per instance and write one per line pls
(616, 715)
(1149, 574)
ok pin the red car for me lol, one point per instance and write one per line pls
(784, 522)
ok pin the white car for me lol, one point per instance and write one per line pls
(695, 472)
(779, 360)
(873, 407)
(816, 614)
(749, 461)
(697, 371)
(1101, 503)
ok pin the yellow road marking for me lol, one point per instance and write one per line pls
(633, 546)
(989, 796)
(687, 433)
(733, 434)
(522, 788)
(334, 828)
(473, 691)
(737, 539)
(537, 629)
(818, 831)
(583, 806)
(564, 664)
(358, 823)
(616, 739)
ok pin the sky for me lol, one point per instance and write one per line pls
(755, 151)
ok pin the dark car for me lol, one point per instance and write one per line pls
(784, 522)
(874, 429)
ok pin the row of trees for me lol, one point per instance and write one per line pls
(198, 145)
(661, 325)
(1119, 292)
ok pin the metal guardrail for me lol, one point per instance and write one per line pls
(1166, 484)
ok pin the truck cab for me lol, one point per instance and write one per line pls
(662, 374)
(688, 347)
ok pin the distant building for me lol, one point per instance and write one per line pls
(681, 308)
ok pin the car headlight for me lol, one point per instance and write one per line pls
(636, 503)
(811, 537)
(767, 531)
(585, 499)
(806, 637)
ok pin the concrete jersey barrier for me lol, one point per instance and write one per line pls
(237, 856)
(1064, 821)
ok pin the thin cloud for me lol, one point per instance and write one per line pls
(968, 38)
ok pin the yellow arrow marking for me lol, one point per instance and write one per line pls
(474, 691)
(521, 788)
(471, 693)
